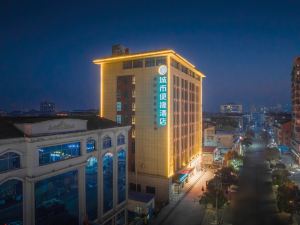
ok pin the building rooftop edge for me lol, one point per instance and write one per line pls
(99, 61)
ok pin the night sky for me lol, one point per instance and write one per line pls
(245, 48)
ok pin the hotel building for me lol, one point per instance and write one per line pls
(159, 93)
(63, 170)
(295, 141)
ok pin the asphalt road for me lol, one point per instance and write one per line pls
(255, 202)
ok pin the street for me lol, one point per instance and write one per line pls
(188, 211)
(255, 203)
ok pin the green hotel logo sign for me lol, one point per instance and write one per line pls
(162, 96)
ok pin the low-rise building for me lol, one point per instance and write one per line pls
(63, 170)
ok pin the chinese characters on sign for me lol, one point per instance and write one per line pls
(162, 98)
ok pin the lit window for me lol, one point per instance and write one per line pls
(56, 153)
(90, 145)
(133, 119)
(133, 106)
(133, 93)
(133, 133)
(133, 79)
(106, 142)
(119, 119)
(119, 106)
(121, 139)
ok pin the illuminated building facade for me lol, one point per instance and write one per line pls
(295, 141)
(56, 170)
(159, 93)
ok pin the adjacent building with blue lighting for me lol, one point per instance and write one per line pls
(63, 170)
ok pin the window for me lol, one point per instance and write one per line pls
(133, 120)
(133, 106)
(121, 176)
(11, 202)
(150, 190)
(160, 61)
(149, 62)
(107, 162)
(133, 133)
(106, 142)
(138, 63)
(127, 64)
(133, 79)
(175, 64)
(56, 199)
(119, 119)
(121, 218)
(133, 93)
(119, 106)
(90, 145)
(121, 139)
(56, 153)
(9, 161)
(91, 191)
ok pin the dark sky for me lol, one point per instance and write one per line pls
(245, 48)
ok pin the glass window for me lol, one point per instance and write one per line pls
(91, 184)
(107, 182)
(137, 63)
(106, 142)
(56, 200)
(121, 139)
(161, 61)
(11, 202)
(121, 218)
(56, 153)
(133, 106)
(119, 119)
(119, 106)
(9, 161)
(127, 64)
(121, 176)
(150, 190)
(90, 145)
(149, 62)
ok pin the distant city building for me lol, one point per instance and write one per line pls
(231, 108)
(63, 170)
(296, 108)
(159, 93)
(209, 134)
(47, 107)
(283, 132)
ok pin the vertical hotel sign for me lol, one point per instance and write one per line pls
(162, 96)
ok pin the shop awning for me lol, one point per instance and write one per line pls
(186, 171)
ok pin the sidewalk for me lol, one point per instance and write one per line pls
(176, 198)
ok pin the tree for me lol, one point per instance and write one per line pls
(230, 155)
(228, 176)
(214, 194)
(247, 141)
(287, 197)
(280, 176)
(272, 154)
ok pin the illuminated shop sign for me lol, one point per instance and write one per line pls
(162, 96)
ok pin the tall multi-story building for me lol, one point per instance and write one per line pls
(159, 93)
(231, 108)
(295, 142)
(63, 170)
(47, 107)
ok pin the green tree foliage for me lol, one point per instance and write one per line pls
(280, 176)
(228, 176)
(272, 154)
(247, 141)
(287, 197)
